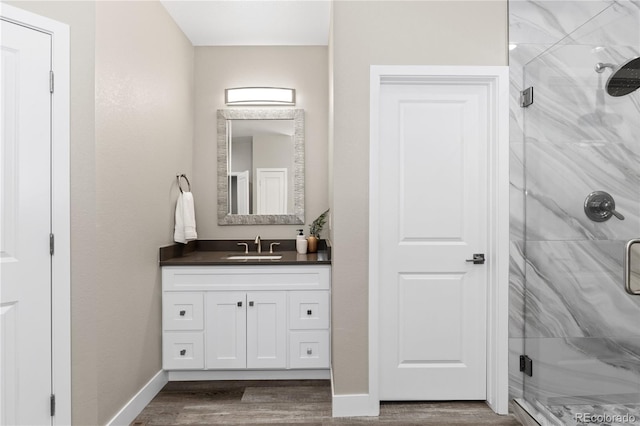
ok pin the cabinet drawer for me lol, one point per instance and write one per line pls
(182, 311)
(309, 310)
(309, 349)
(183, 350)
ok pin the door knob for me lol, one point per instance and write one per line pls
(478, 259)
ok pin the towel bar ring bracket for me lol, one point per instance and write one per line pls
(183, 176)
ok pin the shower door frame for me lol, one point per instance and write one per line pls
(497, 77)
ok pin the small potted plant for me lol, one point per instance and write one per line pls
(314, 232)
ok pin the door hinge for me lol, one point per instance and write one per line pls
(526, 365)
(53, 405)
(51, 81)
(52, 244)
(526, 97)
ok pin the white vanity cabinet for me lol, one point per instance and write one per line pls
(237, 319)
(246, 330)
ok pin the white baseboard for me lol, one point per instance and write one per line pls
(189, 375)
(130, 411)
(353, 405)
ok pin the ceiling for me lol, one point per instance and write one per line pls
(252, 22)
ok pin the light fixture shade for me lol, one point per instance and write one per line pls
(260, 96)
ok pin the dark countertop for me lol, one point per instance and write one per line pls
(215, 252)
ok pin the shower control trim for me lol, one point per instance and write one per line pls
(599, 206)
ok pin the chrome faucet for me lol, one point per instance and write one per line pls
(258, 242)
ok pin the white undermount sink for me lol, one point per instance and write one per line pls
(255, 257)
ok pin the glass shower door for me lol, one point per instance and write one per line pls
(582, 330)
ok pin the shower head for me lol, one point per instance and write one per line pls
(624, 79)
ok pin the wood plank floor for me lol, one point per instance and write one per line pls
(299, 402)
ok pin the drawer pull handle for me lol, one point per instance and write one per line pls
(240, 304)
(183, 352)
(182, 313)
(250, 303)
(309, 351)
(309, 312)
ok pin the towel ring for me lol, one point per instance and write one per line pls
(182, 176)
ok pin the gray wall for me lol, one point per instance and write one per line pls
(384, 33)
(217, 68)
(131, 132)
(144, 137)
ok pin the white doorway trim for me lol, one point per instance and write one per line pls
(498, 223)
(60, 205)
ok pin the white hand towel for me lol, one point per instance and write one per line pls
(185, 228)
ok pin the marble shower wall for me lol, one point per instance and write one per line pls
(577, 140)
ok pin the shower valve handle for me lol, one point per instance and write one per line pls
(600, 206)
(609, 207)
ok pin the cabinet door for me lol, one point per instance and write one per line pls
(226, 330)
(267, 329)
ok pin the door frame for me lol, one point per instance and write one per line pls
(60, 205)
(497, 79)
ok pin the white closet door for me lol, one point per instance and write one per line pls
(25, 225)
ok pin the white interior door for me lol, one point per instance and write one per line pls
(432, 218)
(272, 190)
(25, 206)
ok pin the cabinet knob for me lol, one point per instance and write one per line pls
(183, 352)
(309, 312)
(309, 351)
(239, 304)
(182, 313)
(250, 303)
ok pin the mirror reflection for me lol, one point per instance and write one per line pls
(260, 166)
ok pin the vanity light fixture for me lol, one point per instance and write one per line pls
(260, 96)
